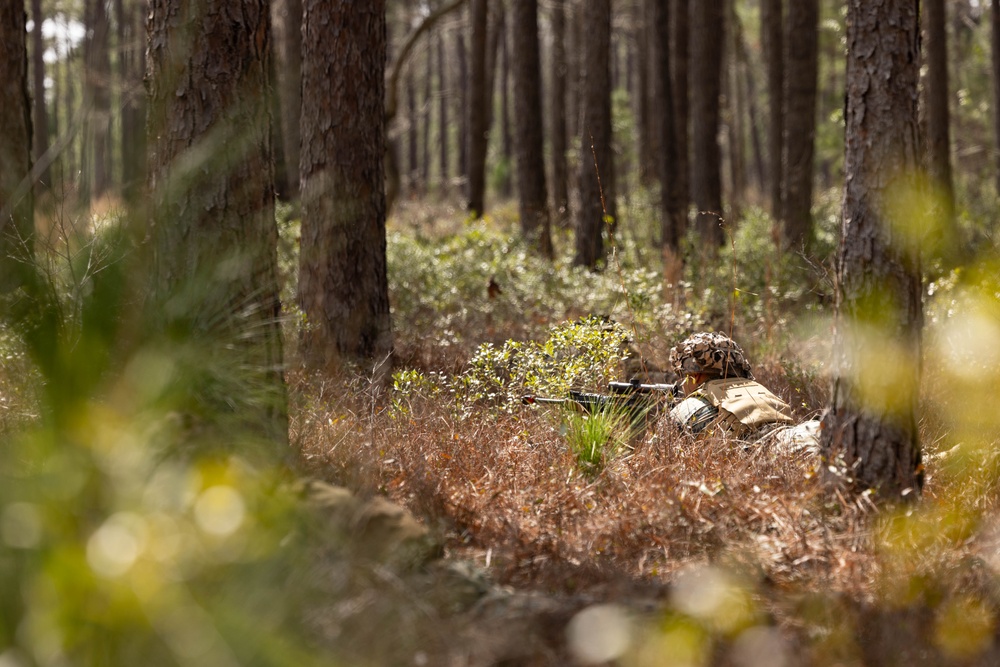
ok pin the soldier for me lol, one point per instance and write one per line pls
(721, 397)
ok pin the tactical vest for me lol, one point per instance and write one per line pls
(736, 406)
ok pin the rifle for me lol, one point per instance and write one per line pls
(632, 397)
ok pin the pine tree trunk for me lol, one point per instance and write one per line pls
(531, 187)
(16, 202)
(212, 185)
(40, 116)
(870, 428)
(672, 200)
(707, 43)
(444, 129)
(557, 113)
(680, 15)
(343, 285)
(506, 140)
(478, 113)
(597, 178)
(801, 77)
(463, 107)
(772, 41)
(995, 55)
(937, 96)
(98, 79)
(287, 17)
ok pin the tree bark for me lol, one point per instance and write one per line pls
(343, 285)
(287, 18)
(708, 25)
(212, 185)
(557, 113)
(772, 41)
(597, 178)
(506, 140)
(870, 428)
(532, 192)
(16, 202)
(478, 114)
(680, 14)
(40, 114)
(98, 78)
(444, 129)
(463, 107)
(995, 58)
(937, 96)
(672, 199)
(801, 75)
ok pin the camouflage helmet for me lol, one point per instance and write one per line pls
(711, 353)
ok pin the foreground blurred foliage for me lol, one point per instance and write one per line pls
(141, 521)
(139, 524)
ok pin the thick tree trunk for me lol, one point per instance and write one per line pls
(287, 17)
(210, 174)
(40, 115)
(557, 113)
(772, 41)
(870, 428)
(801, 75)
(937, 96)
(478, 113)
(708, 25)
(531, 188)
(343, 285)
(597, 178)
(16, 203)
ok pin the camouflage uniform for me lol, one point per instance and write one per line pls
(731, 402)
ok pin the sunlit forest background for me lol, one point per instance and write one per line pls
(254, 414)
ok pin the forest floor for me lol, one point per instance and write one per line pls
(673, 551)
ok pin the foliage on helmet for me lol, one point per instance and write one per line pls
(712, 353)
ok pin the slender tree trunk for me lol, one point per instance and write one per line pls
(412, 132)
(131, 69)
(732, 120)
(801, 77)
(343, 285)
(444, 130)
(870, 428)
(597, 178)
(680, 14)
(40, 114)
(98, 80)
(210, 173)
(463, 108)
(708, 24)
(747, 76)
(531, 188)
(672, 200)
(557, 113)
(995, 54)
(478, 114)
(772, 41)
(428, 105)
(506, 140)
(645, 100)
(936, 96)
(16, 201)
(287, 17)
